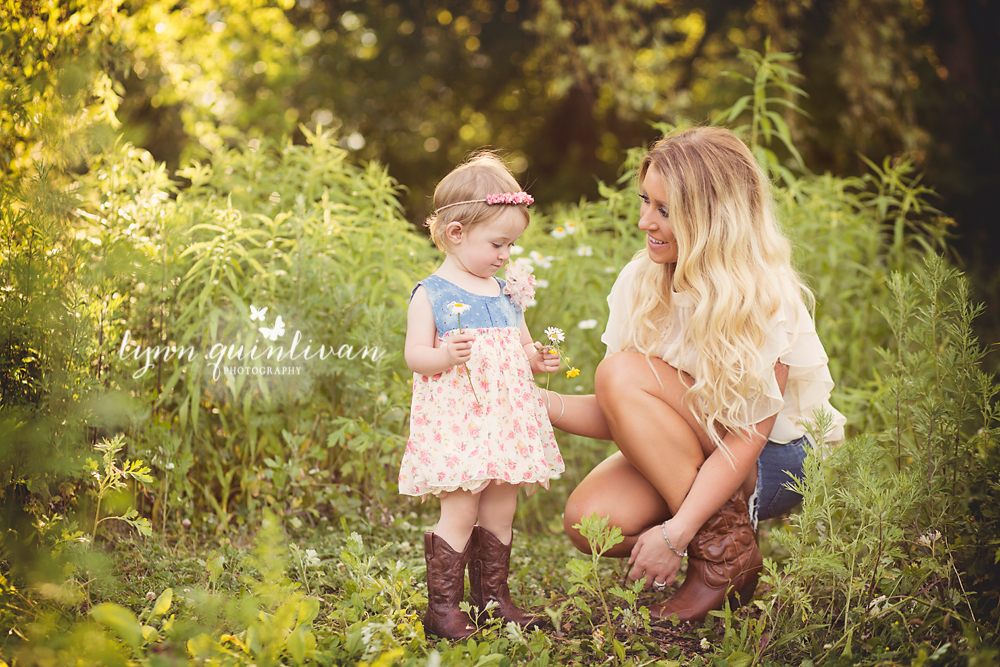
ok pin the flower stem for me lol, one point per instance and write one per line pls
(548, 376)
(466, 364)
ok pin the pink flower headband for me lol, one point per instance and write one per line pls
(511, 198)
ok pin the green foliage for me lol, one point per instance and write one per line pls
(765, 122)
(211, 72)
(135, 632)
(53, 403)
(587, 579)
(585, 574)
(132, 306)
(881, 556)
(58, 93)
(290, 231)
(109, 477)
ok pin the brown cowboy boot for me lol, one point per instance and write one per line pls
(489, 566)
(446, 589)
(723, 560)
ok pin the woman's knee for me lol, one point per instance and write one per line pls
(612, 370)
(578, 507)
(615, 378)
(571, 519)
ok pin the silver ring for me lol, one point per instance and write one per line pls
(659, 586)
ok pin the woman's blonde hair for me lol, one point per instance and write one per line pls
(482, 174)
(732, 259)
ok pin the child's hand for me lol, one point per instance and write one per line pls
(458, 348)
(546, 360)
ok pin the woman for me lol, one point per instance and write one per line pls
(712, 376)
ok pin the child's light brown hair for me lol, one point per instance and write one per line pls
(481, 175)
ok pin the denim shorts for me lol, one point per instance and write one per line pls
(777, 466)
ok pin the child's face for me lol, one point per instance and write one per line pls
(483, 249)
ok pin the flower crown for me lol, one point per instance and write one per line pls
(510, 198)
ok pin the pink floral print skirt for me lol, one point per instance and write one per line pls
(458, 443)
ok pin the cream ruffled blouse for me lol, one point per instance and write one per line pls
(791, 339)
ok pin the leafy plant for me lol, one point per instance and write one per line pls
(136, 632)
(585, 576)
(287, 233)
(303, 562)
(874, 554)
(766, 122)
(108, 477)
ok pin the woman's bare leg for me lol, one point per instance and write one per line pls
(650, 423)
(617, 490)
(661, 447)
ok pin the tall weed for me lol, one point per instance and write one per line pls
(884, 562)
(298, 232)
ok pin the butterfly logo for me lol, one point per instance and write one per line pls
(257, 313)
(272, 333)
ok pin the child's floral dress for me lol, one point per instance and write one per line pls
(459, 443)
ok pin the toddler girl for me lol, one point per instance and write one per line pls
(478, 428)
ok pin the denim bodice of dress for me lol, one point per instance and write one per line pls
(485, 312)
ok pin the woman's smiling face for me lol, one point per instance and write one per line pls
(654, 218)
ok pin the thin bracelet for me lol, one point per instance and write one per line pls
(663, 529)
(561, 402)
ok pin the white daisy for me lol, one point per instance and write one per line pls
(555, 334)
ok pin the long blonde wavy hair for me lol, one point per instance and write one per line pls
(732, 259)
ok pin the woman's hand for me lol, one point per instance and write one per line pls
(458, 348)
(653, 559)
(545, 360)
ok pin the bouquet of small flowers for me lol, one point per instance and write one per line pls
(520, 288)
(556, 337)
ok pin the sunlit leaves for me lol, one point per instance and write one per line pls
(58, 90)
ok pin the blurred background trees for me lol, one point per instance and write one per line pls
(565, 87)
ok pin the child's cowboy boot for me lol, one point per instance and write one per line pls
(489, 566)
(723, 561)
(446, 589)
